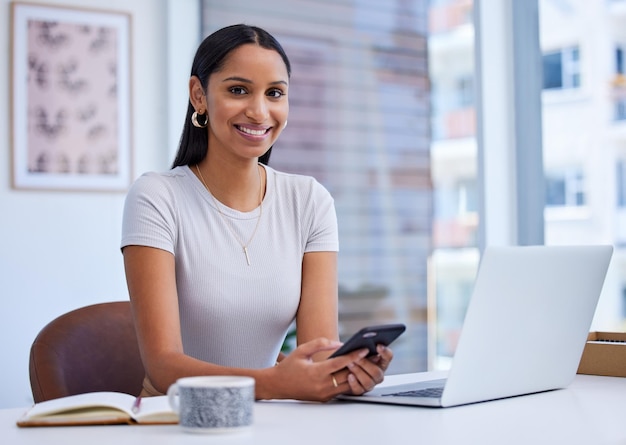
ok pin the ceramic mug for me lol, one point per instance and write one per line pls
(213, 404)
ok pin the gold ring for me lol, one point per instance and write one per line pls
(334, 381)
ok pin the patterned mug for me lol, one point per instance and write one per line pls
(213, 404)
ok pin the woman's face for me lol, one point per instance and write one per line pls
(247, 102)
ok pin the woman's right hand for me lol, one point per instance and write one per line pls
(298, 376)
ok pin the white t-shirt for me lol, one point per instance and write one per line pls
(232, 313)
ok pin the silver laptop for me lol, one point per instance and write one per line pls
(524, 330)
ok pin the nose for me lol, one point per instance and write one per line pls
(257, 109)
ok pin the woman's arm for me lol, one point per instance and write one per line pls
(150, 275)
(318, 312)
(317, 317)
(151, 280)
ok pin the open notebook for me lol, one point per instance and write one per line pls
(99, 408)
(524, 330)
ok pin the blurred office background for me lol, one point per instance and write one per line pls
(392, 109)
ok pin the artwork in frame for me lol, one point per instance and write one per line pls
(70, 92)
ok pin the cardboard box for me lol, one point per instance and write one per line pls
(604, 354)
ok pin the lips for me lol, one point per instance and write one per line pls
(253, 131)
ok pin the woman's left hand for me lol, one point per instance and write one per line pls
(363, 375)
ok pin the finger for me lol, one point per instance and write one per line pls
(342, 375)
(337, 363)
(308, 349)
(364, 374)
(355, 386)
(341, 379)
(385, 355)
(367, 374)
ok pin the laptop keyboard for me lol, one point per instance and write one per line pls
(425, 392)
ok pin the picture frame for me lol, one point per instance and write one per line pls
(70, 98)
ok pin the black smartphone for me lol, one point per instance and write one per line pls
(369, 337)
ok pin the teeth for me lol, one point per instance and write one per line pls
(252, 132)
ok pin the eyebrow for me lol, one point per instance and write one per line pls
(244, 80)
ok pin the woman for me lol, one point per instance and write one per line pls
(222, 253)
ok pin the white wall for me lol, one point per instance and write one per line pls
(60, 250)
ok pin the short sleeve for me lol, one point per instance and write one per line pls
(149, 214)
(323, 235)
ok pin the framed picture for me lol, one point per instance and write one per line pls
(70, 94)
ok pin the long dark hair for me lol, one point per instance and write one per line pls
(210, 58)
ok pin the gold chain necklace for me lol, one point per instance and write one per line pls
(227, 221)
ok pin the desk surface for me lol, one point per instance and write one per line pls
(590, 411)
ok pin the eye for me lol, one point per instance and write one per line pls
(275, 93)
(238, 90)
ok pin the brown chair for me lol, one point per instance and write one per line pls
(93, 348)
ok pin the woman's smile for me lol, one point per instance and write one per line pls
(253, 132)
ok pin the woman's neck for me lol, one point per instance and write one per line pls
(238, 186)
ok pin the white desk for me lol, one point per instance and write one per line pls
(590, 411)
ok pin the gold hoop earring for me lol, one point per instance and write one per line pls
(194, 120)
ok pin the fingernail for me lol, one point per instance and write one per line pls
(381, 348)
(351, 378)
(363, 353)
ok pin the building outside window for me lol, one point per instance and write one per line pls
(585, 131)
(561, 69)
(565, 188)
(584, 105)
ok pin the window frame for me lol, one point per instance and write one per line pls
(510, 154)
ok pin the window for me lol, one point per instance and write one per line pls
(456, 200)
(468, 197)
(465, 91)
(565, 188)
(620, 110)
(619, 88)
(561, 69)
(621, 183)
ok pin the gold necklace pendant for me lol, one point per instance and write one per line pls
(231, 229)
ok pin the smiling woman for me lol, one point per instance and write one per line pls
(223, 253)
(246, 113)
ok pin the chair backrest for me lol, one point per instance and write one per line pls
(93, 348)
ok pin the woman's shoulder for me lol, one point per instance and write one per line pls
(303, 191)
(163, 177)
(295, 181)
(161, 180)
(165, 185)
